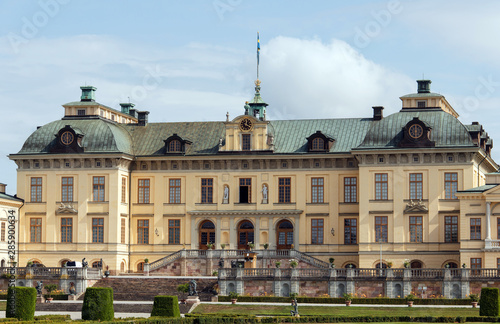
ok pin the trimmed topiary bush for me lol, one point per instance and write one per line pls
(98, 304)
(22, 304)
(489, 302)
(167, 306)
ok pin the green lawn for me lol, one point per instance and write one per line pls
(335, 310)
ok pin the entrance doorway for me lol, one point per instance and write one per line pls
(207, 234)
(284, 231)
(245, 234)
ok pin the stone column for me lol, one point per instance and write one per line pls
(488, 220)
(240, 289)
(465, 282)
(256, 232)
(447, 283)
(194, 231)
(232, 235)
(406, 281)
(277, 282)
(218, 226)
(272, 234)
(146, 269)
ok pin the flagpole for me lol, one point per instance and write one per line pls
(258, 54)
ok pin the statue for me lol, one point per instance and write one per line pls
(226, 192)
(72, 289)
(39, 287)
(84, 263)
(192, 288)
(295, 311)
(264, 192)
(221, 263)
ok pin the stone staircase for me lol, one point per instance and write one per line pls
(146, 288)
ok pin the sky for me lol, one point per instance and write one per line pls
(196, 60)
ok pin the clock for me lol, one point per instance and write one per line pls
(67, 138)
(416, 131)
(246, 124)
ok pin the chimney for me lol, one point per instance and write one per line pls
(2, 187)
(126, 107)
(88, 93)
(377, 112)
(424, 86)
(143, 117)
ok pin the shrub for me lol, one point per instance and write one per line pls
(489, 302)
(233, 295)
(21, 303)
(183, 288)
(98, 304)
(167, 306)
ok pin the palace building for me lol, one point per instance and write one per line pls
(108, 184)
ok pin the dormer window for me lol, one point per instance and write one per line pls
(69, 140)
(176, 145)
(416, 133)
(319, 142)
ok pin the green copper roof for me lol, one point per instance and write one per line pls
(447, 131)
(480, 189)
(422, 95)
(9, 197)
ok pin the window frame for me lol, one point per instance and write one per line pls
(451, 229)
(317, 231)
(246, 142)
(67, 189)
(350, 189)
(317, 144)
(124, 190)
(174, 231)
(246, 182)
(284, 190)
(36, 189)
(123, 230)
(317, 190)
(350, 230)
(381, 229)
(66, 230)
(475, 229)
(416, 182)
(143, 231)
(175, 146)
(143, 191)
(98, 230)
(174, 191)
(36, 230)
(416, 226)
(98, 188)
(207, 190)
(381, 186)
(450, 185)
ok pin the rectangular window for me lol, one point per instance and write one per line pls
(67, 189)
(316, 231)
(174, 231)
(98, 189)
(143, 231)
(450, 185)
(416, 186)
(284, 190)
(123, 230)
(207, 190)
(350, 231)
(475, 228)
(2, 234)
(476, 263)
(81, 112)
(350, 190)
(245, 142)
(317, 190)
(421, 104)
(381, 186)
(124, 190)
(97, 230)
(245, 190)
(36, 189)
(143, 191)
(451, 229)
(35, 230)
(66, 230)
(381, 229)
(498, 262)
(416, 231)
(174, 190)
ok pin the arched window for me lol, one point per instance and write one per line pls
(122, 266)
(350, 265)
(140, 267)
(96, 264)
(174, 146)
(63, 262)
(318, 144)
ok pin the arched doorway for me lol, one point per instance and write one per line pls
(245, 234)
(284, 234)
(207, 234)
(416, 264)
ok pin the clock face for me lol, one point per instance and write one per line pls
(416, 131)
(246, 124)
(67, 138)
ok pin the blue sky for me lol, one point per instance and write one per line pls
(195, 60)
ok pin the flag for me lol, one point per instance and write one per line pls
(258, 48)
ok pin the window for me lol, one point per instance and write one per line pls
(2, 233)
(143, 191)
(123, 230)
(35, 230)
(317, 190)
(381, 192)
(245, 142)
(284, 190)
(421, 104)
(350, 231)
(475, 228)
(81, 112)
(143, 231)
(416, 229)
(498, 262)
(245, 190)
(350, 190)
(97, 230)
(316, 231)
(175, 146)
(36, 189)
(450, 185)
(66, 230)
(67, 189)
(140, 266)
(416, 185)
(174, 191)
(475, 263)
(451, 229)
(207, 191)
(381, 228)
(318, 144)
(124, 190)
(174, 231)
(96, 264)
(98, 188)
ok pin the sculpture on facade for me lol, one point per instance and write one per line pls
(295, 311)
(192, 288)
(39, 287)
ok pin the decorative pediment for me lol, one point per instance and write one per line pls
(68, 140)
(176, 144)
(416, 133)
(319, 142)
(415, 207)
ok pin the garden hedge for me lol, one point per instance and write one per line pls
(98, 304)
(22, 305)
(489, 302)
(167, 306)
